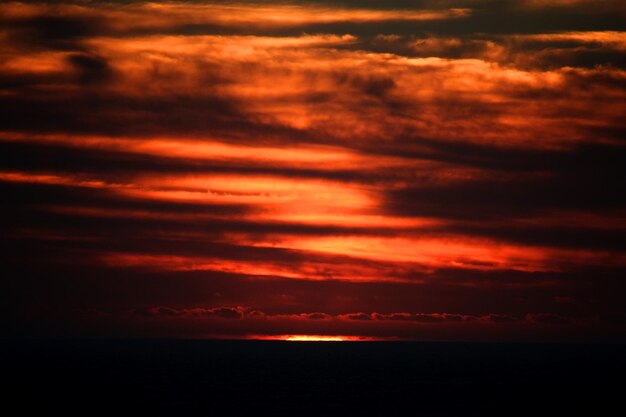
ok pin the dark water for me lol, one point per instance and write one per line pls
(254, 378)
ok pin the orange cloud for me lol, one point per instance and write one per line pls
(307, 84)
(172, 14)
(453, 251)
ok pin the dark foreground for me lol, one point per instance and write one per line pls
(255, 378)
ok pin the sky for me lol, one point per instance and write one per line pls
(357, 170)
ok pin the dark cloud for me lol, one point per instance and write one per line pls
(585, 178)
(428, 318)
(497, 318)
(227, 313)
(53, 32)
(112, 115)
(458, 317)
(92, 69)
(547, 318)
(372, 86)
(423, 318)
(240, 313)
(530, 51)
(579, 236)
(168, 312)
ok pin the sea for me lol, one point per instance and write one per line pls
(237, 378)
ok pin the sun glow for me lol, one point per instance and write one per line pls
(314, 338)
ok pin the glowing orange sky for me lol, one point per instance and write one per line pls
(315, 169)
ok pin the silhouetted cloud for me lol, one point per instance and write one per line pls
(498, 318)
(547, 318)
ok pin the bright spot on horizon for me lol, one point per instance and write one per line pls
(314, 338)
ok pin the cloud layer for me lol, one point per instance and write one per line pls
(414, 171)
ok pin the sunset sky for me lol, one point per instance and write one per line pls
(357, 170)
